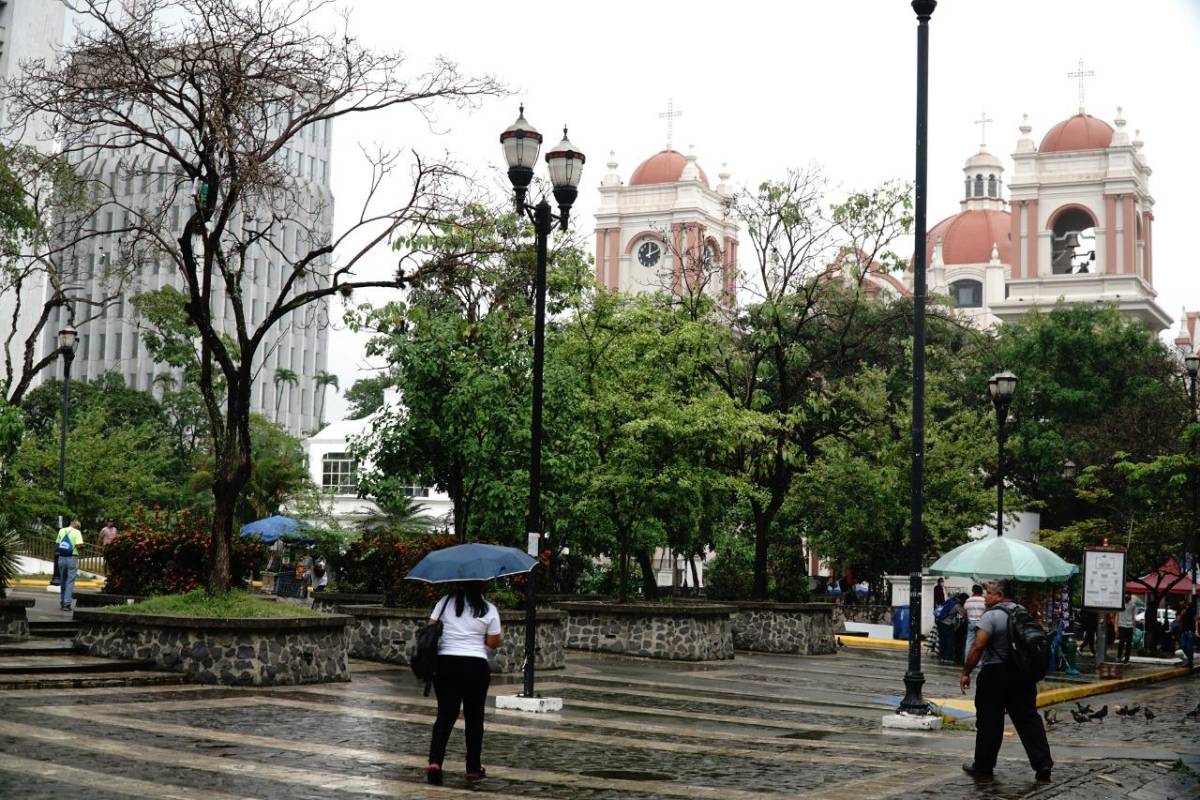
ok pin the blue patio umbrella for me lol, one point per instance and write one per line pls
(471, 562)
(277, 527)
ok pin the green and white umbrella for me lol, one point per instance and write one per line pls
(1004, 557)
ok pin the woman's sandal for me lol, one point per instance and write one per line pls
(433, 774)
(476, 777)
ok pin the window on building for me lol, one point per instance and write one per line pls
(991, 185)
(1073, 243)
(117, 345)
(967, 294)
(412, 490)
(979, 186)
(339, 473)
(100, 346)
(967, 187)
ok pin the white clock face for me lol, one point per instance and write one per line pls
(649, 253)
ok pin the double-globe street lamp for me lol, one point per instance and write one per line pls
(521, 143)
(68, 341)
(1001, 388)
(1191, 363)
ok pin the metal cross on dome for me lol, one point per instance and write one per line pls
(1080, 75)
(983, 121)
(669, 115)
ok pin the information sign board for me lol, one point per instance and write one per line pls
(1104, 578)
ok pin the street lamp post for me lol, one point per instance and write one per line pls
(1192, 363)
(913, 703)
(1001, 388)
(68, 340)
(521, 143)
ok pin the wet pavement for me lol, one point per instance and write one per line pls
(761, 726)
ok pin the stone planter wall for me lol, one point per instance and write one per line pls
(684, 632)
(390, 634)
(14, 624)
(802, 628)
(870, 615)
(329, 601)
(229, 652)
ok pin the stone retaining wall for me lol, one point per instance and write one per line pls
(99, 599)
(329, 601)
(868, 614)
(802, 628)
(390, 634)
(686, 632)
(229, 652)
(14, 624)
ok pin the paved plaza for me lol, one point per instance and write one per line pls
(758, 727)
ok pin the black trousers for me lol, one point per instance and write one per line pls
(461, 681)
(1124, 643)
(1000, 690)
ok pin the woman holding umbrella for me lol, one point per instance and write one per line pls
(470, 627)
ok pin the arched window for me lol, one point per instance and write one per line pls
(967, 294)
(1073, 243)
(967, 188)
(339, 473)
(979, 186)
(991, 185)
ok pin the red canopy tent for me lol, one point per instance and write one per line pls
(1168, 575)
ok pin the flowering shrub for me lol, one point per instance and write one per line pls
(167, 553)
(377, 564)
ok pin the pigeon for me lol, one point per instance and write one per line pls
(1082, 708)
(1148, 713)
(1101, 714)
(1194, 713)
(1051, 718)
(1080, 718)
(1128, 711)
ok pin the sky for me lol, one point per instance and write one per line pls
(764, 86)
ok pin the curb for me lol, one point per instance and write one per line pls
(1054, 696)
(28, 584)
(875, 644)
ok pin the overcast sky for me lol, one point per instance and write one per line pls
(766, 85)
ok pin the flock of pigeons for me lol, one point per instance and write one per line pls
(1084, 713)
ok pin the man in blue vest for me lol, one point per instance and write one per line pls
(67, 545)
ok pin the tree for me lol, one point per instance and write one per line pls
(219, 98)
(805, 325)
(283, 377)
(324, 380)
(365, 396)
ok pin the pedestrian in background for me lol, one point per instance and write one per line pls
(470, 627)
(1186, 619)
(1002, 689)
(1125, 629)
(66, 547)
(109, 533)
(974, 606)
(939, 593)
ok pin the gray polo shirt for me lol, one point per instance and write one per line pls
(995, 622)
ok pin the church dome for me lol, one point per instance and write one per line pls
(1080, 132)
(663, 167)
(967, 237)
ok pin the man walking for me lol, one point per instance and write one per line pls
(1125, 629)
(975, 606)
(1002, 688)
(67, 549)
(108, 533)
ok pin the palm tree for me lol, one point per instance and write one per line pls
(283, 375)
(324, 379)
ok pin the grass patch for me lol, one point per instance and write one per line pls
(202, 603)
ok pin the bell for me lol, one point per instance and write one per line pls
(1072, 240)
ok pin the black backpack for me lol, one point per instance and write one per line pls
(1028, 644)
(424, 655)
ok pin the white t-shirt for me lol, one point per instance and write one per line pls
(464, 636)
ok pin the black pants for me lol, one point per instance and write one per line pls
(461, 681)
(1124, 644)
(1000, 690)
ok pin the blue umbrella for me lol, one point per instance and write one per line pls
(471, 562)
(272, 528)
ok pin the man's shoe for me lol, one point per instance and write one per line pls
(1043, 775)
(979, 774)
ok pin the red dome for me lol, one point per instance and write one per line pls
(1080, 132)
(662, 167)
(967, 237)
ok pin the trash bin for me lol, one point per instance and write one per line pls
(1070, 654)
(900, 622)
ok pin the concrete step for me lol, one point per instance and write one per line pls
(66, 663)
(41, 646)
(54, 628)
(90, 680)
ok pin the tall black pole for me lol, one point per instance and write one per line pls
(1195, 537)
(542, 224)
(914, 679)
(68, 357)
(1001, 418)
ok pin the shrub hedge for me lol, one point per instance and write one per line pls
(167, 553)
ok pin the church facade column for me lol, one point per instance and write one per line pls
(1110, 234)
(1147, 247)
(1014, 235)
(691, 264)
(1128, 236)
(614, 258)
(676, 256)
(601, 240)
(1032, 229)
